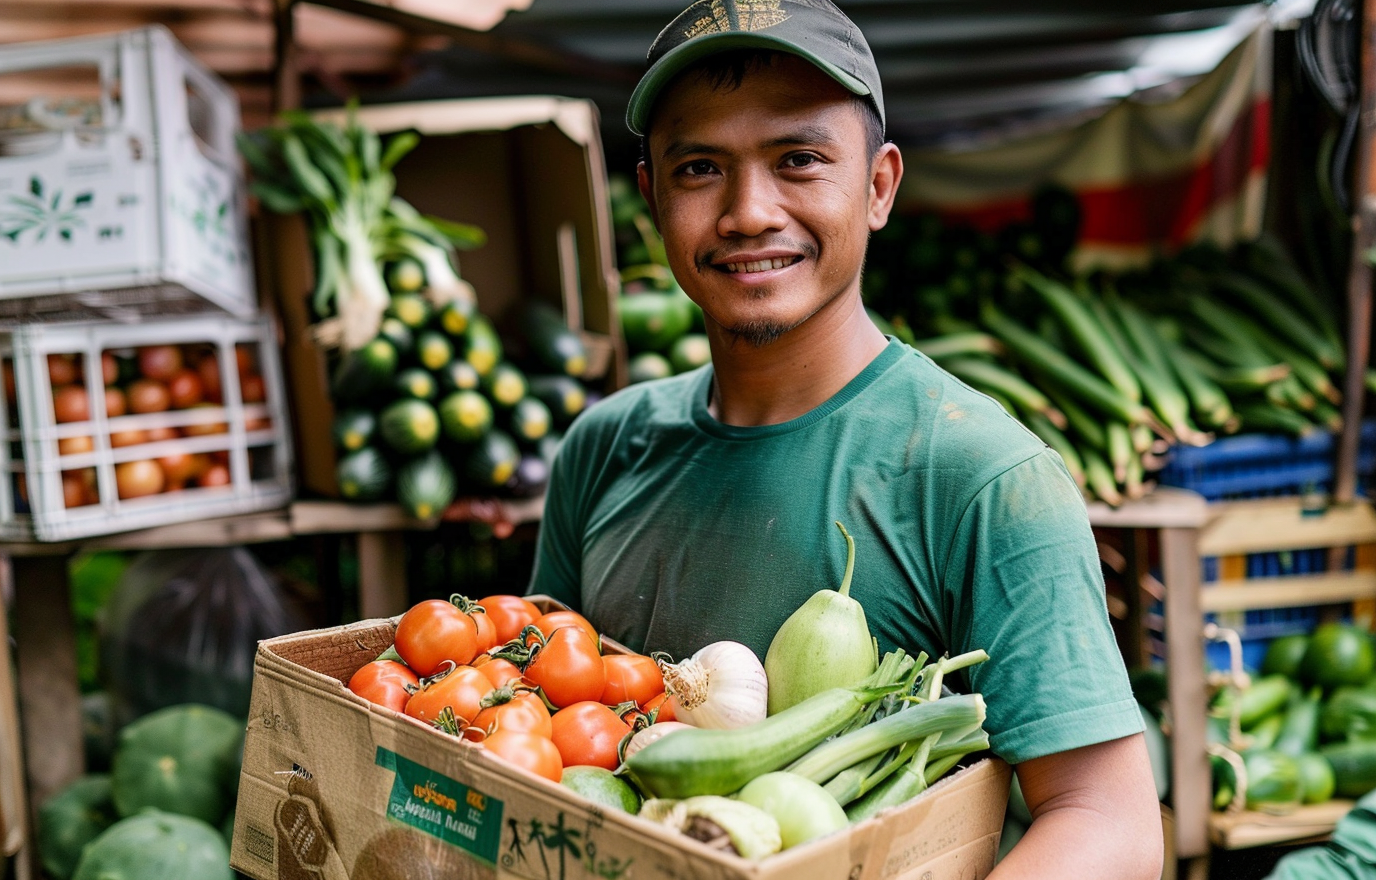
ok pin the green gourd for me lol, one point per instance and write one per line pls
(156, 844)
(825, 644)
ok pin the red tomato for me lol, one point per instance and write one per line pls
(185, 388)
(181, 467)
(666, 706)
(631, 677)
(553, 620)
(524, 711)
(487, 631)
(116, 404)
(243, 358)
(135, 479)
(209, 368)
(433, 631)
(384, 682)
(499, 671)
(148, 396)
(588, 733)
(74, 489)
(63, 369)
(70, 404)
(214, 475)
(461, 690)
(109, 368)
(568, 668)
(529, 751)
(252, 389)
(510, 614)
(159, 362)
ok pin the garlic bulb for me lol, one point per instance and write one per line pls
(644, 737)
(721, 687)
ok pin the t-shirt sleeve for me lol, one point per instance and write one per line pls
(558, 548)
(1023, 582)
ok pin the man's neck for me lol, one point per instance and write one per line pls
(794, 374)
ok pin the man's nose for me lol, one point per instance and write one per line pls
(753, 206)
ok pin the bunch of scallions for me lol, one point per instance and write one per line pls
(341, 178)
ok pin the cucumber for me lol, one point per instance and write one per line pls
(1299, 732)
(363, 475)
(465, 416)
(505, 385)
(364, 371)
(564, 396)
(397, 333)
(492, 460)
(529, 421)
(1316, 778)
(433, 349)
(649, 365)
(411, 309)
(481, 346)
(417, 383)
(553, 344)
(405, 275)
(459, 375)
(426, 485)
(353, 428)
(455, 316)
(1354, 767)
(1273, 780)
(409, 426)
(1349, 712)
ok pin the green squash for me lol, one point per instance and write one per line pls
(180, 759)
(72, 818)
(156, 844)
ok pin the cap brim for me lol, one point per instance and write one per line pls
(675, 60)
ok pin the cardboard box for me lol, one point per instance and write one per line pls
(529, 171)
(334, 787)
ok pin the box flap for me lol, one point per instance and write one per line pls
(576, 118)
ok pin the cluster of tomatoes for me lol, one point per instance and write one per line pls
(137, 382)
(532, 687)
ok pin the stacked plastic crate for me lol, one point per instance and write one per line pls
(141, 384)
(1264, 466)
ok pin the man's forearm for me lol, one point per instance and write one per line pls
(1073, 843)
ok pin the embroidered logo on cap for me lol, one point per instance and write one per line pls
(749, 15)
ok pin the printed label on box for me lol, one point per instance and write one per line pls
(442, 807)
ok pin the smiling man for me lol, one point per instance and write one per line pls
(700, 508)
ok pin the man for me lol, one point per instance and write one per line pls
(700, 508)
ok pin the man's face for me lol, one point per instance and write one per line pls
(764, 195)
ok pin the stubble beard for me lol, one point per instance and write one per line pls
(758, 334)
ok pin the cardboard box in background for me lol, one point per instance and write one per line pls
(530, 172)
(335, 788)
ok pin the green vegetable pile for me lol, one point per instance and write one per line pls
(662, 326)
(1110, 369)
(1303, 729)
(431, 399)
(166, 809)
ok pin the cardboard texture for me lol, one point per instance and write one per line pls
(529, 172)
(335, 788)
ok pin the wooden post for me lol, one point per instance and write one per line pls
(1190, 779)
(286, 76)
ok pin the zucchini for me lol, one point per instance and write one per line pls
(416, 383)
(426, 485)
(465, 416)
(1348, 713)
(959, 344)
(1273, 780)
(459, 375)
(455, 316)
(405, 275)
(353, 428)
(491, 460)
(411, 309)
(433, 349)
(409, 426)
(1354, 767)
(363, 475)
(397, 333)
(1299, 732)
(1317, 780)
(529, 421)
(553, 344)
(364, 371)
(563, 395)
(505, 385)
(481, 346)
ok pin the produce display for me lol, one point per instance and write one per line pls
(661, 325)
(432, 399)
(1303, 728)
(164, 810)
(1110, 369)
(698, 745)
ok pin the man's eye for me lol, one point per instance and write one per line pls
(698, 168)
(800, 160)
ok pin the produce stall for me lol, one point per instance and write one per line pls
(505, 312)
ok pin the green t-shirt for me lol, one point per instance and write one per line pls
(671, 530)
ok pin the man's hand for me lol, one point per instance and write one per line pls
(1094, 815)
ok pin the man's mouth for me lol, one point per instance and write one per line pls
(761, 265)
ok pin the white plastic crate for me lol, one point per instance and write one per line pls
(215, 454)
(121, 192)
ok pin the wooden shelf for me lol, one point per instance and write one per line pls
(1250, 828)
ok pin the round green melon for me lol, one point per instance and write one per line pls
(1338, 654)
(72, 818)
(156, 844)
(180, 759)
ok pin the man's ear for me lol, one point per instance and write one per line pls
(885, 174)
(642, 180)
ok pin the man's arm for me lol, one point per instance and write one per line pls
(1094, 815)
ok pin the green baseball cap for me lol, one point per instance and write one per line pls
(812, 29)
